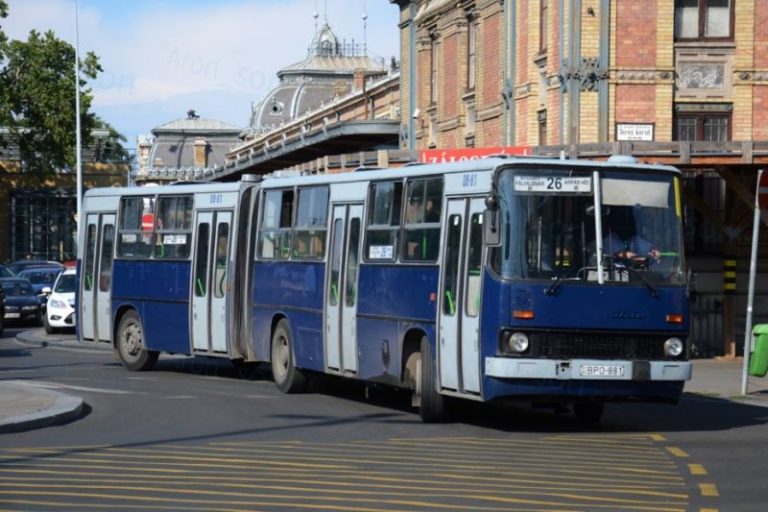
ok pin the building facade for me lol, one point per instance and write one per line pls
(190, 148)
(564, 72)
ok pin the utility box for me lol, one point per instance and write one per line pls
(758, 361)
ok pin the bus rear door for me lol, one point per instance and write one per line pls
(96, 280)
(341, 305)
(459, 316)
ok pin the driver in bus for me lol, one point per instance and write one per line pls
(633, 250)
(639, 251)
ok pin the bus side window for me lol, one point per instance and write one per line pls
(384, 210)
(311, 223)
(136, 224)
(276, 224)
(174, 227)
(422, 219)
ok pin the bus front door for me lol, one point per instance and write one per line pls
(341, 290)
(209, 282)
(96, 280)
(459, 317)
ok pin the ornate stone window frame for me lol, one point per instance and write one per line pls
(704, 73)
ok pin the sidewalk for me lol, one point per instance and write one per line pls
(25, 406)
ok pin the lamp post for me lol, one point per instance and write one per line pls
(78, 153)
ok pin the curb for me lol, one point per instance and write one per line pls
(65, 409)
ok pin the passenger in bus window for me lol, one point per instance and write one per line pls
(432, 213)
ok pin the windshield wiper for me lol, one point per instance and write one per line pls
(551, 289)
(642, 279)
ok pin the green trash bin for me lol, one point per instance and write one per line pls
(758, 360)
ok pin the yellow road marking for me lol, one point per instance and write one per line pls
(697, 469)
(395, 487)
(573, 471)
(677, 452)
(299, 503)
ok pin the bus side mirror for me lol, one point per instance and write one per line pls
(491, 227)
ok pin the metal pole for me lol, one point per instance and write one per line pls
(751, 293)
(78, 153)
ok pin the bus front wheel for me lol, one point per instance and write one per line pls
(130, 344)
(288, 378)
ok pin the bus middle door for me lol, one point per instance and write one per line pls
(341, 291)
(209, 282)
(459, 316)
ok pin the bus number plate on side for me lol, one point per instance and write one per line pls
(601, 371)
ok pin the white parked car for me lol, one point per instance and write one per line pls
(60, 312)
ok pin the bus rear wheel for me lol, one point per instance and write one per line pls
(432, 405)
(130, 344)
(288, 378)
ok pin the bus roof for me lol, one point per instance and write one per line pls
(365, 175)
(191, 188)
(484, 164)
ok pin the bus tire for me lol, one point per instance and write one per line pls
(130, 344)
(288, 378)
(588, 412)
(432, 405)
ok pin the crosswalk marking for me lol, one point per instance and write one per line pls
(521, 473)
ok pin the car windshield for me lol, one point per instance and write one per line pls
(65, 284)
(17, 288)
(5, 271)
(549, 223)
(39, 276)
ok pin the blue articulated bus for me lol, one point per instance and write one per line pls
(526, 279)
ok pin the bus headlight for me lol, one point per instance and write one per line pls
(518, 342)
(673, 347)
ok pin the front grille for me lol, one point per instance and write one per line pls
(597, 345)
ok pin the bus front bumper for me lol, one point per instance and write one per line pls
(587, 369)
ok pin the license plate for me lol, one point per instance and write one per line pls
(13, 315)
(601, 370)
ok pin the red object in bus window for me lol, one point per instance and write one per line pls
(147, 222)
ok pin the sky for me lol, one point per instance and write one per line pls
(162, 58)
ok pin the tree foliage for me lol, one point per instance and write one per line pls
(37, 100)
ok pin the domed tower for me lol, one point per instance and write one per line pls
(328, 72)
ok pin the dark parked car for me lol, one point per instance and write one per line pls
(21, 301)
(5, 271)
(41, 278)
(19, 265)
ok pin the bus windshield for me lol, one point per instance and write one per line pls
(550, 217)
